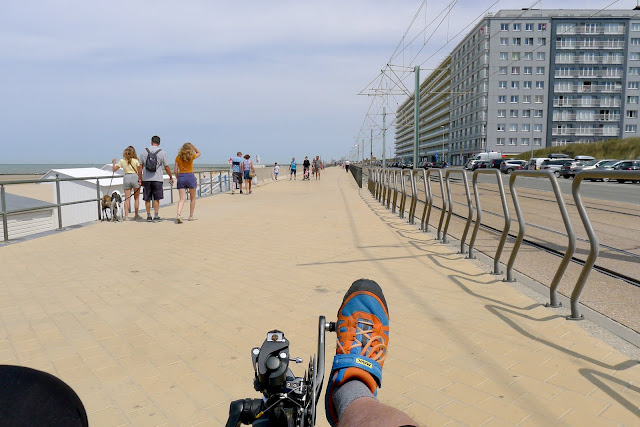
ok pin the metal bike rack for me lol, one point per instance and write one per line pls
(505, 210)
(594, 244)
(378, 176)
(403, 199)
(426, 213)
(385, 183)
(390, 176)
(395, 191)
(469, 204)
(553, 288)
(414, 197)
(444, 208)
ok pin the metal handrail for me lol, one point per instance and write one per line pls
(383, 190)
(469, 204)
(594, 244)
(414, 197)
(426, 213)
(553, 288)
(390, 175)
(403, 199)
(505, 210)
(444, 208)
(395, 191)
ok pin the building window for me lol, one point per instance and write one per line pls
(632, 99)
(542, 27)
(539, 84)
(526, 84)
(538, 114)
(515, 56)
(634, 56)
(502, 99)
(500, 127)
(504, 41)
(513, 141)
(528, 70)
(611, 28)
(524, 141)
(502, 113)
(526, 99)
(537, 128)
(634, 71)
(517, 41)
(528, 41)
(539, 70)
(591, 28)
(502, 70)
(537, 141)
(526, 113)
(541, 56)
(513, 127)
(504, 56)
(513, 113)
(632, 114)
(516, 27)
(542, 41)
(515, 70)
(514, 99)
(515, 84)
(504, 27)
(502, 84)
(630, 128)
(525, 127)
(635, 27)
(633, 85)
(528, 27)
(500, 141)
(539, 99)
(528, 56)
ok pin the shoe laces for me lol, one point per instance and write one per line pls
(373, 347)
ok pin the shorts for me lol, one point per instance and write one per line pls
(246, 175)
(152, 190)
(237, 177)
(130, 181)
(187, 180)
(293, 172)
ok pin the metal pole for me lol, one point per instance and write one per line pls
(60, 207)
(199, 183)
(362, 147)
(416, 116)
(442, 127)
(384, 136)
(98, 198)
(531, 111)
(371, 148)
(3, 202)
(211, 183)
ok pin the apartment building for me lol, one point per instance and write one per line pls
(435, 99)
(544, 78)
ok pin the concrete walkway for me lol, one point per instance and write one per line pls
(153, 324)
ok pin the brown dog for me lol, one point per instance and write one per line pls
(106, 204)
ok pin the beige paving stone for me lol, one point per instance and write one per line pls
(150, 416)
(107, 417)
(465, 414)
(578, 418)
(504, 410)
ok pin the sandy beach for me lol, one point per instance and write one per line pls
(34, 191)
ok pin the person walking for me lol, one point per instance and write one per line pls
(236, 169)
(317, 165)
(276, 171)
(247, 166)
(129, 165)
(346, 165)
(183, 170)
(292, 168)
(152, 161)
(305, 168)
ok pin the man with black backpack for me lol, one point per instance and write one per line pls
(152, 159)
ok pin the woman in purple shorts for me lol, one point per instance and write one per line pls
(186, 179)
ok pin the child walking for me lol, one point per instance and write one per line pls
(276, 170)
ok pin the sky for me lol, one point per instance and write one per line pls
(82, 79)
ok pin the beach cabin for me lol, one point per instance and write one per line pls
(89, 189)
(27, 223)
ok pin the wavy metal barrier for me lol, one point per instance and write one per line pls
(384, 184)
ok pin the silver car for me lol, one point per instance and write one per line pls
(555, 165)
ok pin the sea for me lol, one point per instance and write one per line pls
(41, 169)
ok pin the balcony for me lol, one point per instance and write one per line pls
(585, 131)
(582, 29)
(586, 103)
(575, 74)
(589, 45)
(593, 118)
(589, 60)
(588, 89)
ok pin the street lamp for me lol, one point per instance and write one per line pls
(531, 112)
(357, 153)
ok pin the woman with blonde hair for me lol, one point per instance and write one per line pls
(249, 173)
(129, 164)
(186, 179)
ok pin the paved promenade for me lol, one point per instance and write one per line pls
(152, 324)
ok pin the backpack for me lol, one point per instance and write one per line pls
(151, 164)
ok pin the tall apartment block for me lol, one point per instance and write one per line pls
(542, 77)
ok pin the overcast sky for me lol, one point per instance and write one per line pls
(82, 79)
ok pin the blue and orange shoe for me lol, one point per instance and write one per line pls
(363, 336)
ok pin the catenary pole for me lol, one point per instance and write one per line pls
(371, 148)
(384, 136)
(416, 116)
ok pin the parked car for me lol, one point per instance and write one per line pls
(495, 163)
(535, 163)
(627, 165)
(508, 166)
(482, 164)
(470, 163)
(427, 165)
(600, 165)
(554, 165)
(568, 170)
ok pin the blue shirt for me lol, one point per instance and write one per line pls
(236, 163)
(293, 165)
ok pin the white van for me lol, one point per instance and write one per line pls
(534, 163)
(488, 156)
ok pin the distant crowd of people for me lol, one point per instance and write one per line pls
(316, 164)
